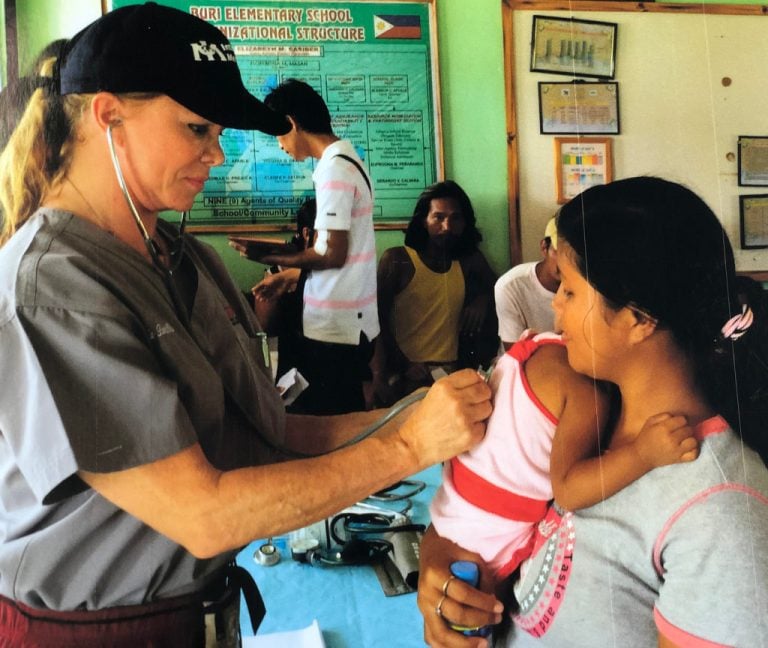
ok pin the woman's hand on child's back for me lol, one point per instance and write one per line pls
(666, 439)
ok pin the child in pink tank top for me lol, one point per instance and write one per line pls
(543, 440)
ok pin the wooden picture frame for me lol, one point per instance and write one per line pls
(579, 108)
(753, 221)
(574, 47)
(580, 163)
(753, 161)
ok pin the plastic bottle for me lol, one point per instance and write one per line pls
(468, 572)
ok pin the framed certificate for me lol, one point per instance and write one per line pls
(576, 107)
(580, 163)
(753, 216)
(574, 47)
(753, 161)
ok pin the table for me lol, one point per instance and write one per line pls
(348, 602)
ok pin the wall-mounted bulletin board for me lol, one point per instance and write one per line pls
(375, 65)
(690, 97)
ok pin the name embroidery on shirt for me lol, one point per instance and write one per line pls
(160, 330)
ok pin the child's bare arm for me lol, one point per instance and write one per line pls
(575, 469)
(582, 477)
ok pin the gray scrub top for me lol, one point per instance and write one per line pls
(100, 373)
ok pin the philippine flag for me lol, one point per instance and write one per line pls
(397, 26)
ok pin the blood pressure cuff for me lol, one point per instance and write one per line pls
(398, 572)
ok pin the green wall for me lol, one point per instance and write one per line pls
(474, 114)
(38, 22)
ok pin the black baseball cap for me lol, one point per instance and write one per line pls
(154, 48)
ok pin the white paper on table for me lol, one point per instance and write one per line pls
(309, 637)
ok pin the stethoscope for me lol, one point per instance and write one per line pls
(268, 552)
(176, 249)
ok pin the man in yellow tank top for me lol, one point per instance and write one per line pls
(430, 291)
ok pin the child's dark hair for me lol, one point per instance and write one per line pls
(656, 246)
(303, 103)
(416, 236)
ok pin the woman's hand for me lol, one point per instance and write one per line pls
(459, 603)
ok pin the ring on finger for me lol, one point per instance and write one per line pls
(439, 608)
(446, 583)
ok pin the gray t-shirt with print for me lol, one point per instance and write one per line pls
(680, 551)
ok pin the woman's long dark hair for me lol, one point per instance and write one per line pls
(657, 246)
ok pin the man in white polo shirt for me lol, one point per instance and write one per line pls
(340, 317)
(524, 294)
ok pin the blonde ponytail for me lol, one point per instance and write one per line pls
(22, 168)
(37, 154)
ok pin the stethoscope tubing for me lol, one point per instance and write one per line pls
(165, 271)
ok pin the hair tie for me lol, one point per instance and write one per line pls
(48, 84)
(737, 326)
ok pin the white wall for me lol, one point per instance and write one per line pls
(678, 120)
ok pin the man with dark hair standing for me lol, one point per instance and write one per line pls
(340, 316)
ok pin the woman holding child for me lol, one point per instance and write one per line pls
(650, 302)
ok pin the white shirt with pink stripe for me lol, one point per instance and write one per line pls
(340, 303)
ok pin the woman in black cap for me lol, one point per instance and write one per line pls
(142, 440)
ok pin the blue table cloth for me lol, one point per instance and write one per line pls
(348, 601)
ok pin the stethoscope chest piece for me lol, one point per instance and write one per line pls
(267, 555)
